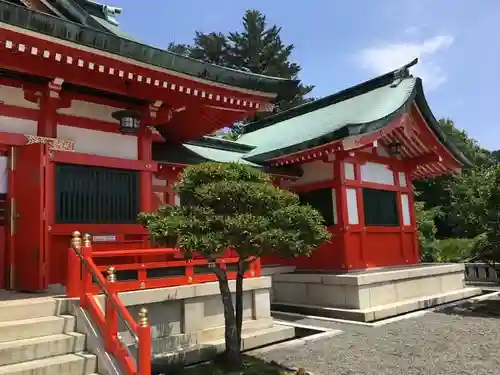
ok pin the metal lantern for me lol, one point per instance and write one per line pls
(130, 121)
(395, 148)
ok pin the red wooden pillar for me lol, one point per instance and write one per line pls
(144, 152)
(397, 184)
(411, 203)
(361, 215)
(49, 103)
(342, 218)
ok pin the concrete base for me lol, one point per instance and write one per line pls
(187, 318)
(372, 294)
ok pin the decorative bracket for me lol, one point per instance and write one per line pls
(54, 144)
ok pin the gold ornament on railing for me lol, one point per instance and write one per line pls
(111, 274)
(76, 241)
(143, 317)
(86, 240)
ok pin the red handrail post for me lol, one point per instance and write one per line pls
(111, 328)
(73, 267)
(144, 347)
(86, 251)
(257, 268)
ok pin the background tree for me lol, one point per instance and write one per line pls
(234, 206)
(257, 48)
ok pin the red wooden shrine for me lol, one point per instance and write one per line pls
(70, 163)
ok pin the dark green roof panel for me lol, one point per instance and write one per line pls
(94, 33)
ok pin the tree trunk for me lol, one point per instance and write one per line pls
(233, 353)
(239, 298)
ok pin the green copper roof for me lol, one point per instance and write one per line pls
(352, 116)
(90, 31)
(357, 110)
(211, 149)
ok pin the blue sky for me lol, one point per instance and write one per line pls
(341, 43)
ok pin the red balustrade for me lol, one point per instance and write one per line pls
(85, 279)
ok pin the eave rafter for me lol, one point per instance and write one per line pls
(422, 154)
(84, 66)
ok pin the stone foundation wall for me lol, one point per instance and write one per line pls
(363, 290)
(189, 315)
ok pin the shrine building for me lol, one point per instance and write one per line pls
(81, 104)
(353, 156)
(95, 128)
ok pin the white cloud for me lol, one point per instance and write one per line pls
(384, 58)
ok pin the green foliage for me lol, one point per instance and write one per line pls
(257, 48)
(426, 231)
(235, 206)
(454, 249)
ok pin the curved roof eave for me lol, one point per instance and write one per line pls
(344, 132)
(417, 96)
(429, 118)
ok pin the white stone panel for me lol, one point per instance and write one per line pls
(17, 125)
(315, 171)
(90, 110)
(349, 171)
(377, 173)
(15, 96)
(405, 207)
(100, 143)
(352, 207)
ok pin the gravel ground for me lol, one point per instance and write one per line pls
(457, 340)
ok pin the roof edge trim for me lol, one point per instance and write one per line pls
(348, 93)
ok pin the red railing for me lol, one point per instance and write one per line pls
(152, 268)
(81, 271)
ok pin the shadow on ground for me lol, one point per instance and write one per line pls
(488, 308)
(251, 366)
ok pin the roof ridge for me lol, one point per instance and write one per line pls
(394, 77)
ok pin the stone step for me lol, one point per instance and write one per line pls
(68, 364)
(29, 308)
(36, 327)
(25, 350)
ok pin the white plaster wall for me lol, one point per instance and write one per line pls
(15, 96)
(402, 179)
(405, 206)
(100, 143)
(352, 206)
(315, 171)
(334, 204)
(377, 173)
(349, 171)
(90, 110)
(17, 125)
(159, 182)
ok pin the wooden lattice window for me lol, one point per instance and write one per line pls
(380, 208)
(96, 195)
(321, 200)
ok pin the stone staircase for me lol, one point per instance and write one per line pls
(36, 339)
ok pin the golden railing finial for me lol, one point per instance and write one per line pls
(86, 240)
(76, 241)
(143, 317)
(111, 274)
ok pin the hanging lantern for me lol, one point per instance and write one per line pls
(395, 149)
(130, 121)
